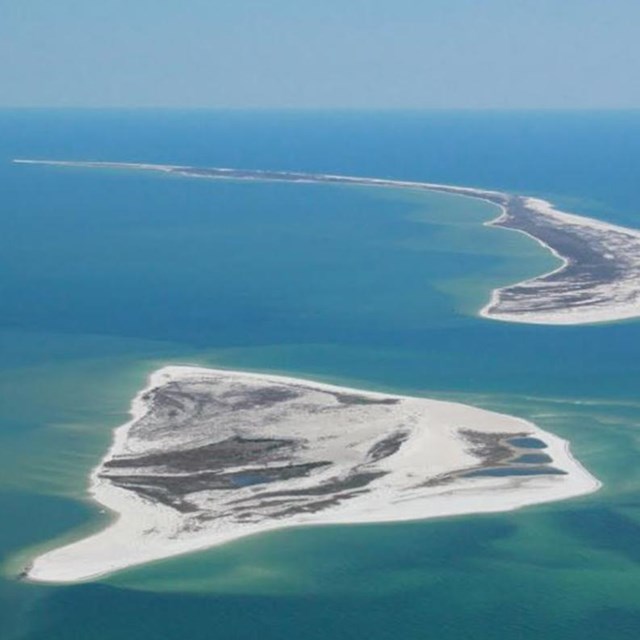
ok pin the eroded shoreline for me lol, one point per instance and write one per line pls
(598, 279)
(211, 455)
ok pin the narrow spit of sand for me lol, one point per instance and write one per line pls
(597, 280)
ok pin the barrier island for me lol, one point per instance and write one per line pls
(211, 455)
(597, 280)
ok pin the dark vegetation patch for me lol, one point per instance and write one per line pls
(235, 451)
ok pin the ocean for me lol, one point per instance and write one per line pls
(108, 274)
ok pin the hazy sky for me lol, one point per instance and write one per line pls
(320, 53)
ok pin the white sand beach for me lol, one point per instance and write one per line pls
(405, 484)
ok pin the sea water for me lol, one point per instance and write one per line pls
(107, 275)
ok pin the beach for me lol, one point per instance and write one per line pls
(411, 472)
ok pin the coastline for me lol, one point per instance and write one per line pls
(568, 317)
(598, 279)
(145, 531)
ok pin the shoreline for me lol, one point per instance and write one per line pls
(598, 279)
(144, 531)
(586, 317)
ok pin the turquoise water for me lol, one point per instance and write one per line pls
(107, 275)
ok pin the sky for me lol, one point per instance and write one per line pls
(378, 54)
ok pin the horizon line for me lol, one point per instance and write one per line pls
(407, 109)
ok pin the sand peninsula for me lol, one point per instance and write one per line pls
(598, 279)
(212, 455)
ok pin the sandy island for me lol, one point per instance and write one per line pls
(598, 279)
(210, 456)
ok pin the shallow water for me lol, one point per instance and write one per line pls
(108, 275)
(532, 458)
(527, 443)
(502, 472)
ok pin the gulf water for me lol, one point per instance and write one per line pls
(106, 275)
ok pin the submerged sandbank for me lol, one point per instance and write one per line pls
(210, 456)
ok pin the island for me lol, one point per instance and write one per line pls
(597, 280)
(211, 455)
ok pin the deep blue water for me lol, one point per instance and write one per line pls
(104, 275)
(589, 156)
